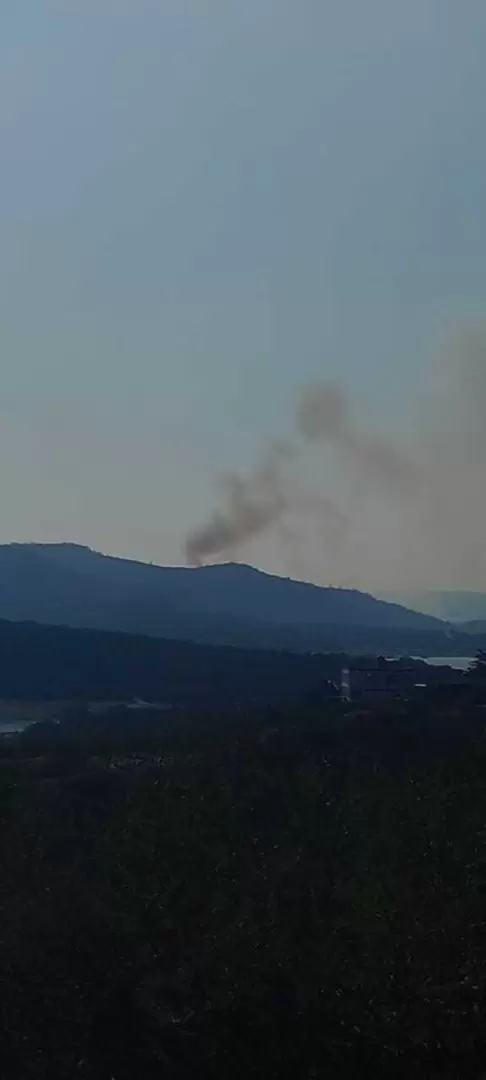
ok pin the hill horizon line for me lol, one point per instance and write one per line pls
(387, 596)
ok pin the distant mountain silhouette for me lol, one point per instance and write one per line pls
(65, 664)
(476, 626)
(67, 584)
(453, 605)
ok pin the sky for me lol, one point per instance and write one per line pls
(205, 206)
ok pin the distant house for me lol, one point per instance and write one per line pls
(388, 680)
(100, 708)
(158, 706)
(369, 683)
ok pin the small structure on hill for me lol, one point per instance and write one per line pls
(385, 680)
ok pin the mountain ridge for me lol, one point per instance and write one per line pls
(74, 585)
(461, 606)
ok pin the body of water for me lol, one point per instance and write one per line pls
(11, 727)
(461, 663)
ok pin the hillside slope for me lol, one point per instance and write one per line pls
(72, 585)
(453, 605)
(47, 663)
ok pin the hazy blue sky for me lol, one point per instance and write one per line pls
(204, 204)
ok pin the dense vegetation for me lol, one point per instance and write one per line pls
(268, 896)
(53, 662)
(59, 663)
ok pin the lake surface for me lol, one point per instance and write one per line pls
(461, 663)
(11, 727)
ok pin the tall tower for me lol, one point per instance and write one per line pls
(345, 684)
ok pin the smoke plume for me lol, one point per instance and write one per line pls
(382, 513)
(323, 414)
(251, 504)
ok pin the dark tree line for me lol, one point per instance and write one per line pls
(264, 894)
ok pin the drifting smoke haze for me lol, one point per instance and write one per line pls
(409, 515)
(323, 414)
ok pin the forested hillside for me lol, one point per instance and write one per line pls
(299, 896)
